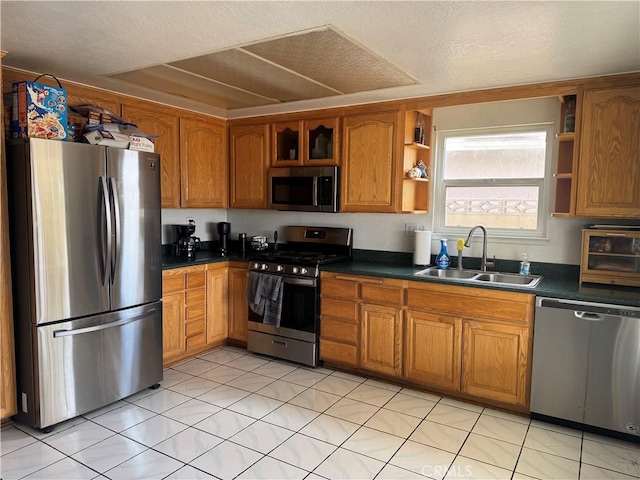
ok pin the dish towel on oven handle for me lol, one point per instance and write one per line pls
(264, 293)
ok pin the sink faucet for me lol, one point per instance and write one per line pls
(467, 243)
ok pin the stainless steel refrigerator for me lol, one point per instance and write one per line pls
(86, 267)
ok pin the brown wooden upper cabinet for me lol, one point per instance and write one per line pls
(305, 142)
(154, 119)
(370, 175)
(249, 159)
(609, 168)
(204, 170)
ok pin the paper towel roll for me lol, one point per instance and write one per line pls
(422, 247)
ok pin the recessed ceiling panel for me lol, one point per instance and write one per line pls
(245, 71)
(175, 82)
(315, 63)
(332, 60)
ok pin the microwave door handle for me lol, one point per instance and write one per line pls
(315, 191)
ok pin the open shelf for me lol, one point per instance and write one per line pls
(417, 145)
(415, 191)
(565, 169)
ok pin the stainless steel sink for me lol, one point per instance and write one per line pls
(476, 276)
(459, 274)
(509, 279)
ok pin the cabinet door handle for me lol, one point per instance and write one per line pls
(361, 280)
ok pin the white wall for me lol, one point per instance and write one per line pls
(206, 220)
(387, 231)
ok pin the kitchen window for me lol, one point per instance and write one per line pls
(495, 177)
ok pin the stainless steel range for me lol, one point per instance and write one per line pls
(284, 292)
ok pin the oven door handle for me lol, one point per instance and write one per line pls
(302, 282)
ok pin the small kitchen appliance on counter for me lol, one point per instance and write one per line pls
(224, 229)
(293, 332)
(185, 244)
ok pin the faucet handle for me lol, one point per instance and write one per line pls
(491, 264)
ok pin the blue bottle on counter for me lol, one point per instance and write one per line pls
(442, 260)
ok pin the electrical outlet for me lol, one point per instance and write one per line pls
(409, 229)
(420, 227)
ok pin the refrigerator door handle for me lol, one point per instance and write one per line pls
(115, 257)
(104, 326)
(105, 224)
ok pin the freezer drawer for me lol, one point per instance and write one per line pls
(586, 364)
(88, 363)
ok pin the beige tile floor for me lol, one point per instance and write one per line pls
(229, 414)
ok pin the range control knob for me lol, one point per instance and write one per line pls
(264, 266)
(256, 266)
(279, 268)
(304, 271)
(294, 270)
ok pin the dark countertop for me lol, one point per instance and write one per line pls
(566, 285)
(202, 257)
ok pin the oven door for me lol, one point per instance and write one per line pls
(300, 317)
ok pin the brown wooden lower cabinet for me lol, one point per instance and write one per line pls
(183, 312)
(474, 343)
(217, 304)
(381, 335)
(194, 310)
(339, 327)
(495, 361)
(238, 306)
(173, 337)
(470, 340)
(361, 322)
(432, 349)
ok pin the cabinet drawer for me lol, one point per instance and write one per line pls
(339, 288)
(194, 328)
(338, 352)
(196, 280)
(195, 312)
(332, 307)
(339, 330)
(196, 296)
(172, 284)
(473, 302)
(382, 294)
(196, 342)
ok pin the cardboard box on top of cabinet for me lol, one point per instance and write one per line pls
(107, 139)
(39, 111)
(119, 140)
(143, 144)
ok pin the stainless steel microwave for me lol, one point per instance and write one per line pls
(304, 189)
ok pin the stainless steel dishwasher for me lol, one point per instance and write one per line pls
(586, 365)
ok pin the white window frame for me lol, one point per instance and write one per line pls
(543, 184)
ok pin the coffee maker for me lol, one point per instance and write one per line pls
(224, 229)
(185, 244)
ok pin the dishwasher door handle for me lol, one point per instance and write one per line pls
(592, 317)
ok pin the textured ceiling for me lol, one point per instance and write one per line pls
(307, 65)
(447, 46)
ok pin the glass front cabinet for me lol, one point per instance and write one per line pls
(610, 256)
(306, 142)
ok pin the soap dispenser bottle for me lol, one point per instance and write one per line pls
(442, 260)
(525, 266)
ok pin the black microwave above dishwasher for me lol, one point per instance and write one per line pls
(304, 189)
